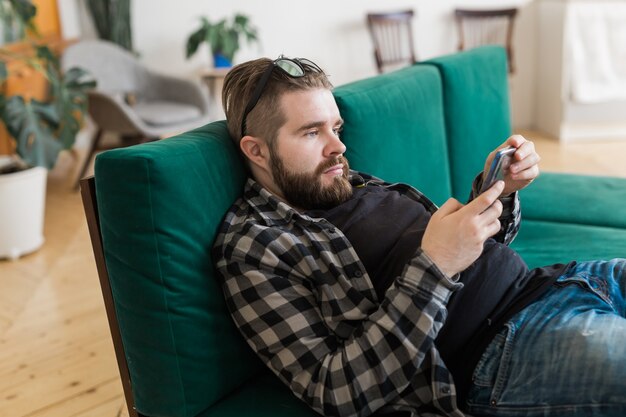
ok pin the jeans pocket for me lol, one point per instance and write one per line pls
(491, 373)
(596, 285)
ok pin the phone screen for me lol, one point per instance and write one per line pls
(499, 167)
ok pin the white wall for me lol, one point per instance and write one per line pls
(332, 33)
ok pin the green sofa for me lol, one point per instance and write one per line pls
(158, 207)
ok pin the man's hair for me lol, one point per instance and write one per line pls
(266, 118)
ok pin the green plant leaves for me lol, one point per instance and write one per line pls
(4, 74)
(194, 41)
(223, 37)
(30, 124)
(230, 43)
(241, 24)
(25, 10)
(71, 104)
(43, 129)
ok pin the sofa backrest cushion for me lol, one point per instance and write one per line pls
(476, 107)
(160, 205)
(394, 129)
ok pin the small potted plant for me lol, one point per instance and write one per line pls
(222, 37)
(40, 130)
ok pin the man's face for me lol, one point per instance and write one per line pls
(307, 162)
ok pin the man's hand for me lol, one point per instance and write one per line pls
(455, 234)
(524, 167)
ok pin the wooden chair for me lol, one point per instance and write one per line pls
(486, 27)
(392, 34)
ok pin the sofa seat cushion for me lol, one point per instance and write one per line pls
(543, 243)
(264, 396)
(580, 199)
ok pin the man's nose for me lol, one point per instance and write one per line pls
(334, 145)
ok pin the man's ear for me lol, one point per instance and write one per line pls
(255, 149)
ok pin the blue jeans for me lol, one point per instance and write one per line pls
(563, 355)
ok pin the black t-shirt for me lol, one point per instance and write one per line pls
(386, 229)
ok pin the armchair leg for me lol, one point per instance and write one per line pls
(92, 150)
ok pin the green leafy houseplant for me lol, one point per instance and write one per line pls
(42, 129)
(222, 37)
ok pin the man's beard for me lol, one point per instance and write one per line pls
(305, 190)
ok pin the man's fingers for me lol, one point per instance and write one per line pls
(493, 228)
(516, 141)
(492, 212)
(487, 198)
(489, 219)
(525, 157)
(449, 207)
(527, 174)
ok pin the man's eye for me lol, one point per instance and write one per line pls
(312, 134)
(337, 131)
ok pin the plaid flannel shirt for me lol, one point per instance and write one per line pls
(304, 302)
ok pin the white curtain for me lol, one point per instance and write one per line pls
(596, 50)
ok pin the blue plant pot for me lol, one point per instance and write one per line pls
(220, 61)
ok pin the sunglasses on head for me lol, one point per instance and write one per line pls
(293, 67)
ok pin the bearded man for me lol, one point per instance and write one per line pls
(362, 296)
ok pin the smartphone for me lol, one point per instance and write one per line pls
(499, 167)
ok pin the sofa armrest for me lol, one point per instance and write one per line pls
(577, 199)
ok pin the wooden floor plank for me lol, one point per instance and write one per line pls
(113, 407)
(104, 399)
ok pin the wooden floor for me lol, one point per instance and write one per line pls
(56, 356)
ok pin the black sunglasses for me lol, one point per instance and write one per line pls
(293, 67)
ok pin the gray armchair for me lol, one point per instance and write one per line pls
(132, 101)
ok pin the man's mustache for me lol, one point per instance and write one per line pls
(331, 163)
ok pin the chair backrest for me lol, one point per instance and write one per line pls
(392, 35)
(115, 69)
(486, 27)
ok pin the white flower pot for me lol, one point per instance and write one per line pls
(22, 207)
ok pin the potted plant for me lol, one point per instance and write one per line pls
(222, 37)
(40, 130)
